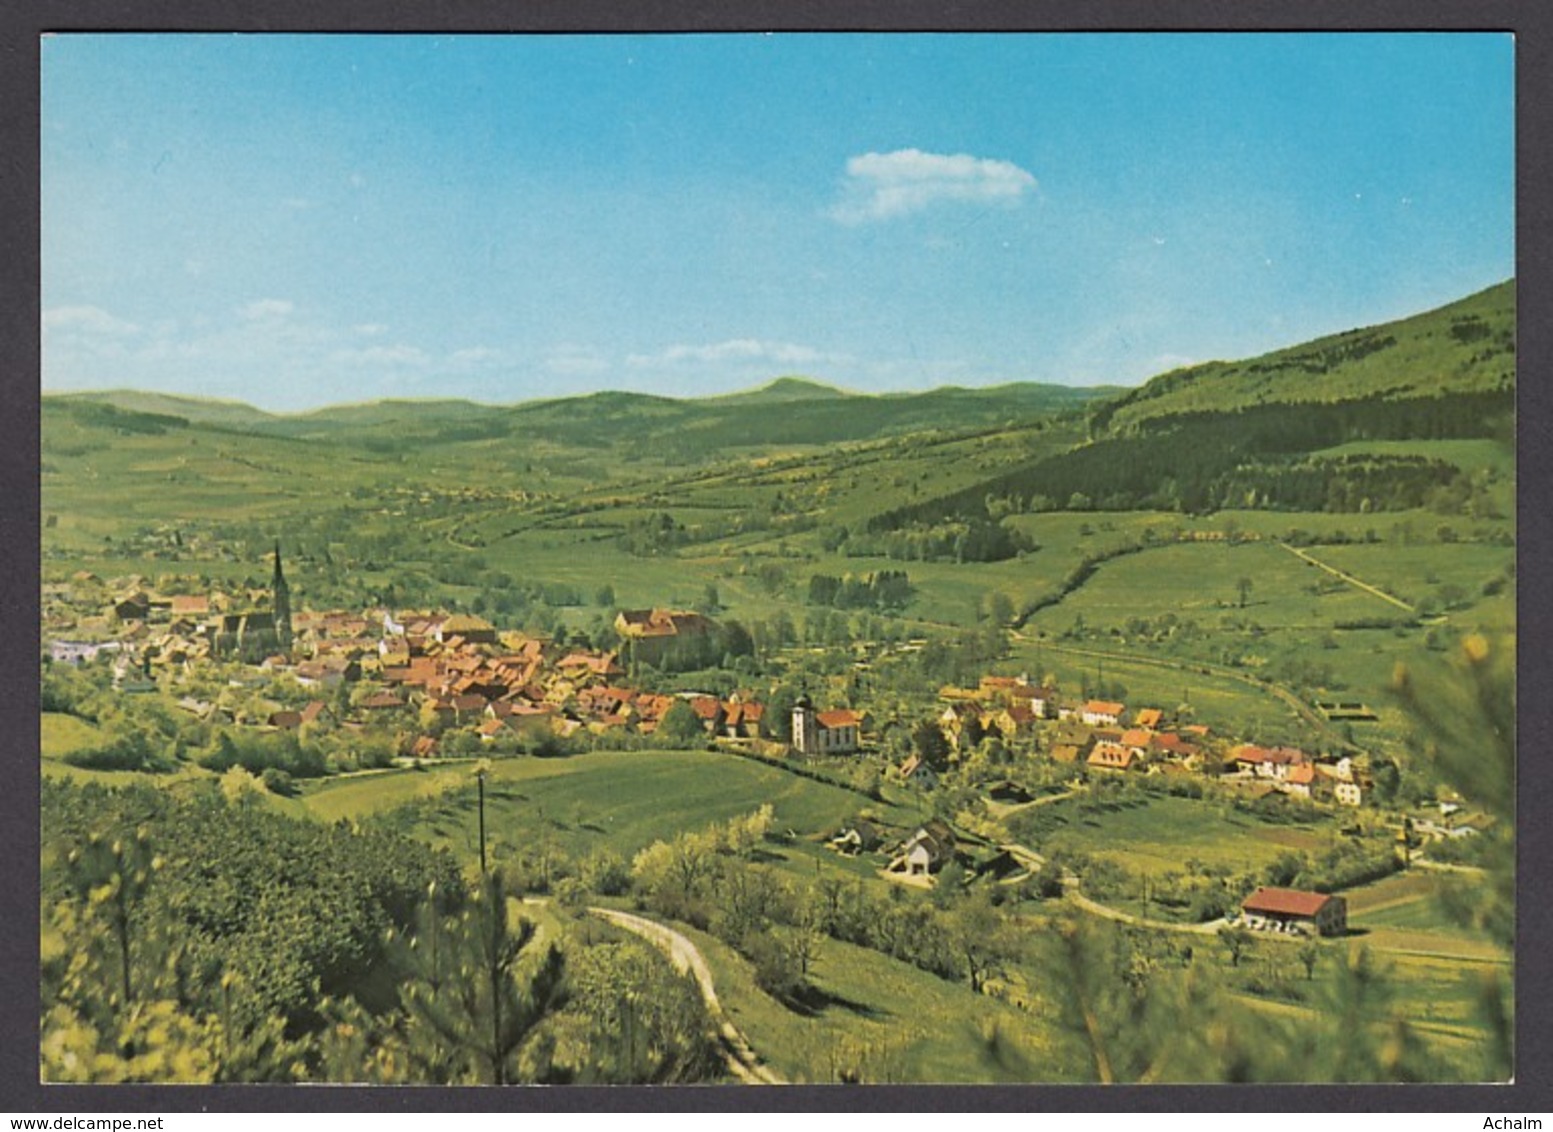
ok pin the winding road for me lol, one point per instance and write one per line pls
(741, 1059)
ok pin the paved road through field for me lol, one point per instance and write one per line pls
(741, 1059)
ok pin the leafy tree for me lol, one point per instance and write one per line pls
(680, 727)
(929, 741)
(1235, 940)
(1309, 954)
(111, 878)
(983, 938)
(637, 1021)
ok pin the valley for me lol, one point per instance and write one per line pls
(956, 729)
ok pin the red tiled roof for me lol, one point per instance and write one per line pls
(1110, 755)
(1285, 902)
(707, 707)
(1104, 707)
(838, 718)
(1168, 741)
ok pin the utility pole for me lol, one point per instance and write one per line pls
(480, 771)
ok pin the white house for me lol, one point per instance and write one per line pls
(825, 732)
(1102, 713)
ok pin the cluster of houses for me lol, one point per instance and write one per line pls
(1108, 736)
(459, 668)
(447, 670)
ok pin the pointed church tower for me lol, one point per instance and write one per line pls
(282, 595)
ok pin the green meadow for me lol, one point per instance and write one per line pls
(618, 800)
(1151, 835)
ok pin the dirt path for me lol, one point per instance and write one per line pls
(1349, 578)
(1109, 913)
(742, 1060)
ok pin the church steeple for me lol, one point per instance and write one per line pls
(282, 597)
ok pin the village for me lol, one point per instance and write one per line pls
(427, 687)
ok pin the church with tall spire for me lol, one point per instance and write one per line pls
(257, 632)
(280, 594)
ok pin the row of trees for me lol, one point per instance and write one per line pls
(880, 590)
(1190, 462)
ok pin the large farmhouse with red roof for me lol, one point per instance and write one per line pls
(1289, 907)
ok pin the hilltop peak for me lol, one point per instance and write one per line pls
(790, 388)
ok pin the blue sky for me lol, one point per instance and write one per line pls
(301, 220)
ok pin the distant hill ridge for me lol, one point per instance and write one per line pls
(1467, 346)
(1251, 433)
(791, 388)
(617, 418)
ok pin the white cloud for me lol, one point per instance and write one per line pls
(570, 359)
(472, 356)
(733, 350)
(369, 329)
(266, 308)
(881, 186)
(399, 355)
(87, 319)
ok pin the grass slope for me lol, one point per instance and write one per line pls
(620, 800)
(1465, 346)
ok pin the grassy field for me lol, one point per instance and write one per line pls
(900, 1023)
(1156, 834)
(1405, 913)
(1230, 706)
(622, 801)
(61, 734)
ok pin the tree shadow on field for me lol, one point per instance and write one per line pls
(812, 1001)
(767, 856)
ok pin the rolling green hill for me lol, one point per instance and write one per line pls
(792, 388)
(1259, 433)
(1465, 347)
(202, 410)
(690, 428)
